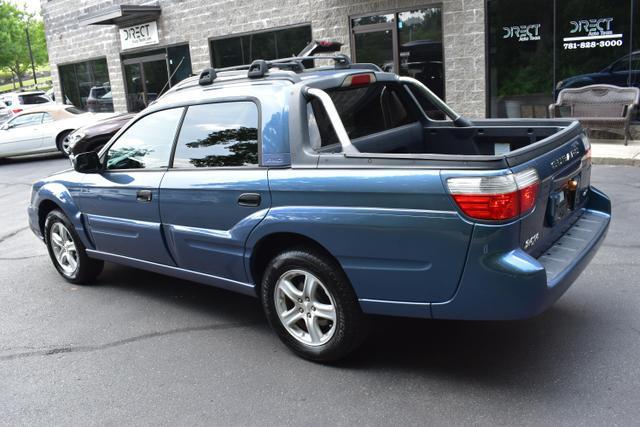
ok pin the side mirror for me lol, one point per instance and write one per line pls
(88, 162)
(6, 126)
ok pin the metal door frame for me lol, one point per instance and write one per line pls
(374, 28)
(140, 61)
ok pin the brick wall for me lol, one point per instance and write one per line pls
(195, 21)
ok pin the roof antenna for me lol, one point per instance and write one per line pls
(170, 77)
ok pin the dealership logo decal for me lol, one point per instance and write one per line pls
(593, 27)
(523, 33)
(595, 32)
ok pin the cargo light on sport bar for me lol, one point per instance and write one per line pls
(496, 198)
(359, 80)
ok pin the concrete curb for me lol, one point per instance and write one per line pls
(615, 161)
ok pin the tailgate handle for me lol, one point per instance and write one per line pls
(249, 199)
(143, 196)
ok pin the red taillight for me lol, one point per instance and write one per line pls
(528, 197)
(16, 110)
(495, 207)
(496, 198)
(359, 79)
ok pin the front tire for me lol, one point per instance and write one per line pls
(62, 142)
(67, 252)
(310, 304)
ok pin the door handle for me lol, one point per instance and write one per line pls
(249, 199)
(143, 196)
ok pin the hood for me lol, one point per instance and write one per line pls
(109, 125)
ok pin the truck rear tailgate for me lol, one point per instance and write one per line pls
(565, 175)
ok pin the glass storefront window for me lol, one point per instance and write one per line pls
(179, 63)
(520, 58)
(408, 42)
(86, 85)
(544, 46)
(151, 73)
(240, 50)
(592, 37)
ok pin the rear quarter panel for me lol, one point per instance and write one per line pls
(395, 232)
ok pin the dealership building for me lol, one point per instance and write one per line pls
(486, 58)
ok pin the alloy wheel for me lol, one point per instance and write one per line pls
(64, 248)
(305, 307)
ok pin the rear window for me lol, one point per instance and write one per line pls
(33, 99)
(365, 110)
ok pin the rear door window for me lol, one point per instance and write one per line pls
(218, 135)
(365, 110)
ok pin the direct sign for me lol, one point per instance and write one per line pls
(139, 35)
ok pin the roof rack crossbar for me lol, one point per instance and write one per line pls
(259, 67)
(341, 59)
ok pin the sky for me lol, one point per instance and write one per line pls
(32, 6)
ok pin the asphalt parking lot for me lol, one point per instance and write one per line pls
(139, 348)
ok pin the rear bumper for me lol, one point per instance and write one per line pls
(513, 284)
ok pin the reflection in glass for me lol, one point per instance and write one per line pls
(83, 82)
(373, 19)
(135, 89)
(520, 58)
(179, 63)
(375, 47)
(592, 43)
(420, 38)
(216, 135)
(147, 143)
(266, 45)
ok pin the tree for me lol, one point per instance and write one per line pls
(14, 50)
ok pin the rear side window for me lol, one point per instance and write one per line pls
(147, 143)
(217, 135)
(365, 110)
(33, 99)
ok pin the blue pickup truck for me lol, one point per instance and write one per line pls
(329, 194)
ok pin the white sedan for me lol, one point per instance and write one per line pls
(42, 129)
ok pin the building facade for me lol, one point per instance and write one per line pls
(496, 58)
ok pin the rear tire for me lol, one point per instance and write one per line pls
(68, 254)
(310, 304)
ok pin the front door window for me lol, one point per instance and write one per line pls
(147, 143)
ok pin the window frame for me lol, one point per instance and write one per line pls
(185, 106)
(251, 99)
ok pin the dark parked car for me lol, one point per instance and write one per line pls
(94, 136)
(623, 72)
